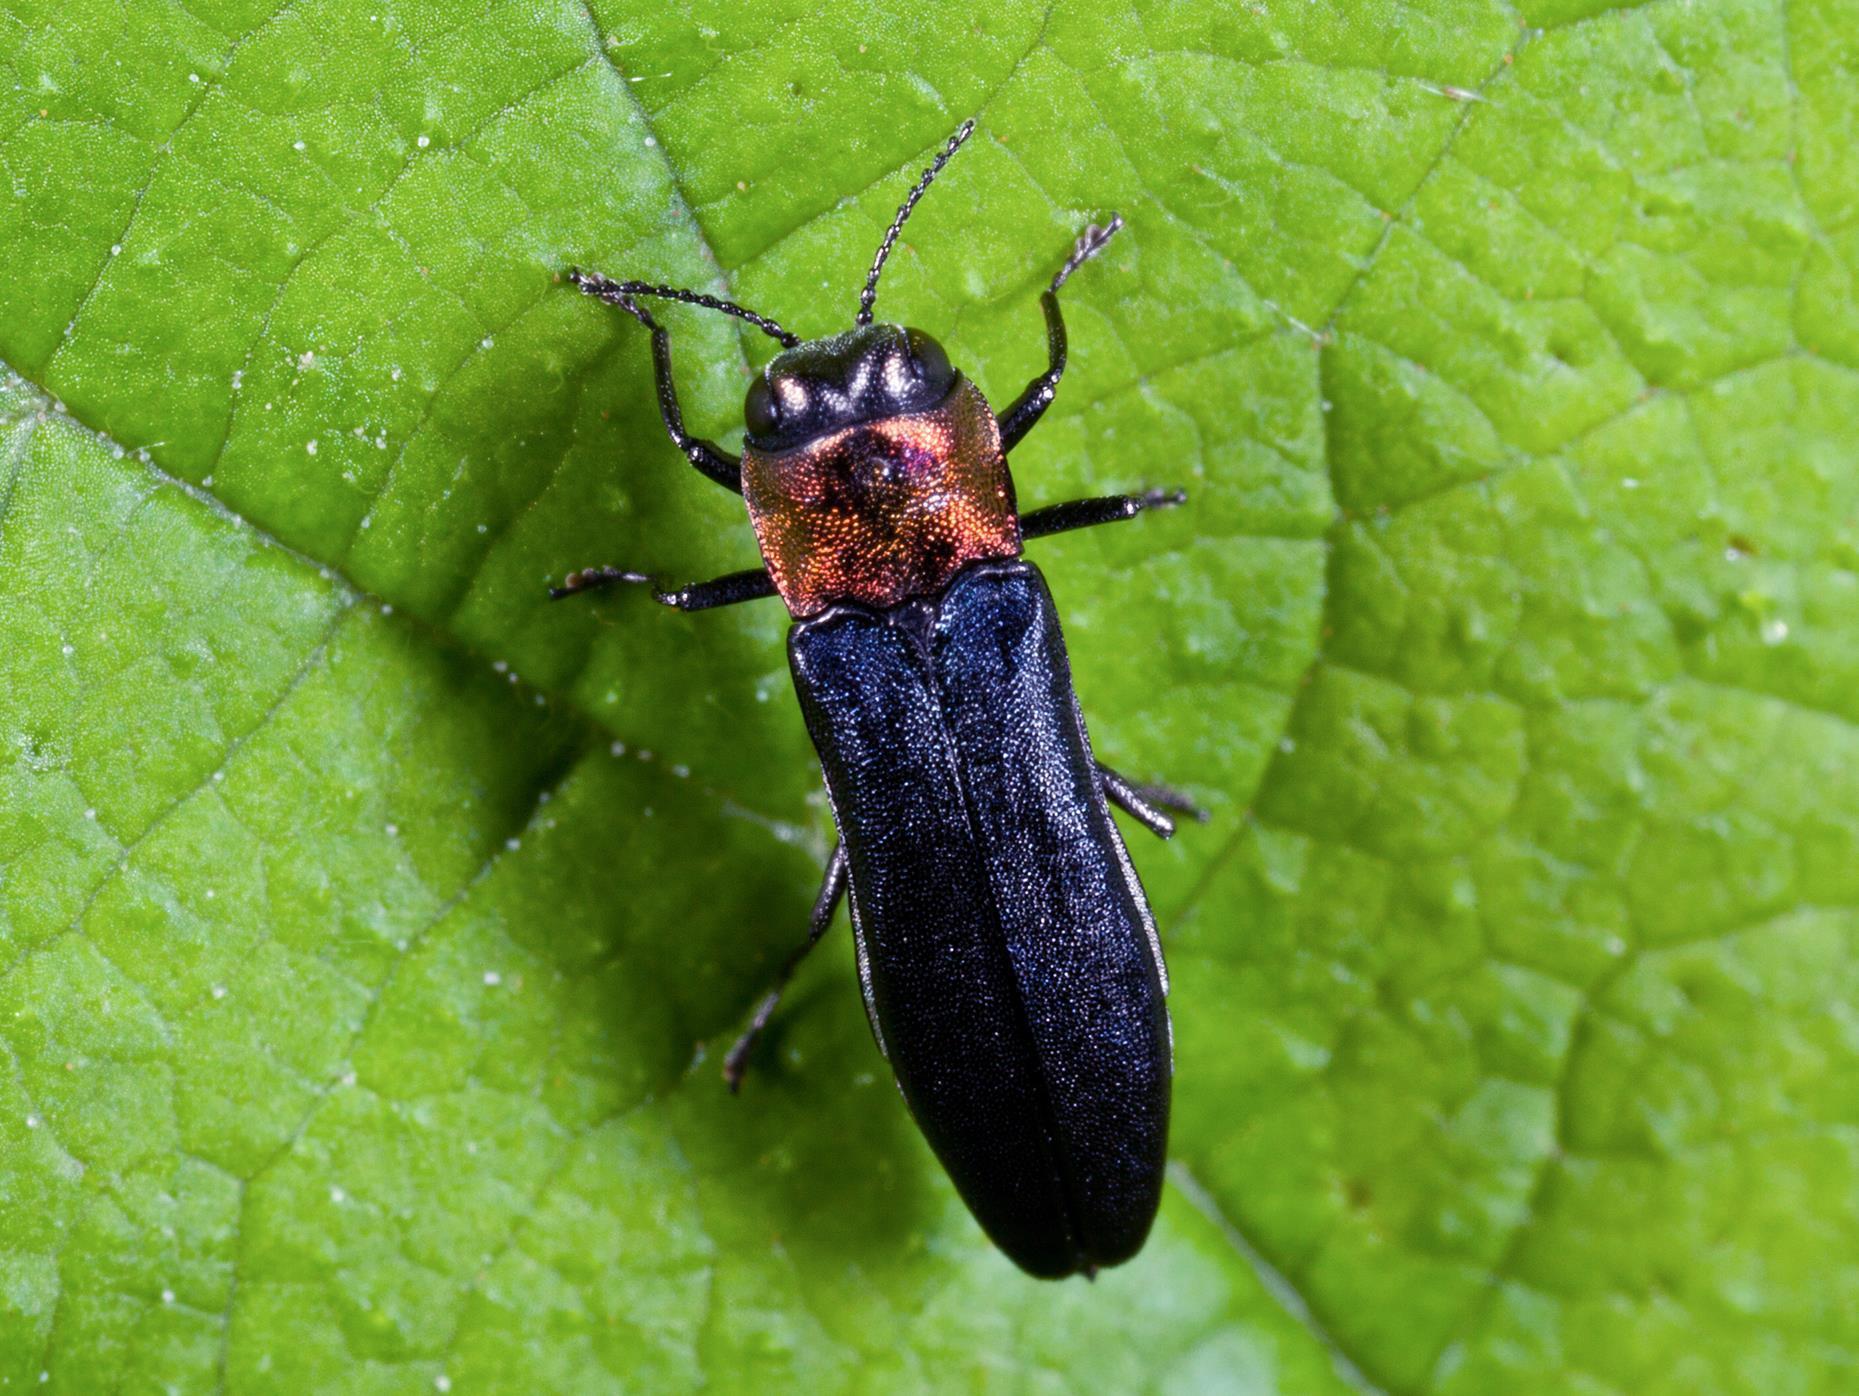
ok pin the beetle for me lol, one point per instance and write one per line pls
(1010, 965)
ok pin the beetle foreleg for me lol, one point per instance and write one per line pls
(707, 456)
(751, 585)
(1145, 803)
(832, 889)
(1027, 409)
(1088, 513)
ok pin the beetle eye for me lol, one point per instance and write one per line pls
(928, 361)
(761, 412)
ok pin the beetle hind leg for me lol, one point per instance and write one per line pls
(1146, 803)
(832, 890)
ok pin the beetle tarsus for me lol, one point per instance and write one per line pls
(1167, 797)
(736, 1060)
(595, 579)
(832, 889)
(1145, 803)
(1090, 242)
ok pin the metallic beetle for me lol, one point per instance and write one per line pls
(1009, 960)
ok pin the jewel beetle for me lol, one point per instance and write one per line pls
(1009, 961)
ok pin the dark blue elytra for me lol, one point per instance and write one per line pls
(1009, 961)
(1008, 957)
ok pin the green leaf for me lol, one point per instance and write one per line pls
(369, 926)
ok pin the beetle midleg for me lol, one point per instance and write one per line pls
(751, 585)
(1145, 803)
(707, 456)
(1088, 513)
(1027, 409)
(832, 889)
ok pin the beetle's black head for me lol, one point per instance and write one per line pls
(825, 385)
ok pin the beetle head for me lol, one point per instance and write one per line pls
(825, 385)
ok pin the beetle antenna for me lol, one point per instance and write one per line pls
(870, 292)
(618, 293)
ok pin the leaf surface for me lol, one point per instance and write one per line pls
(365, 919)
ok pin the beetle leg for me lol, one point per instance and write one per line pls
(1145, 803)
(1088, 513)
(832, 888)
(707, 456)
(1027, 409)
(751, 585)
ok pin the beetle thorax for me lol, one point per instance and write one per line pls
(883, 510)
